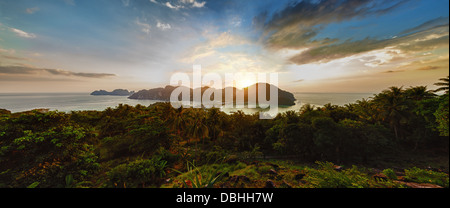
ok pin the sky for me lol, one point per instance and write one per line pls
(314, 45)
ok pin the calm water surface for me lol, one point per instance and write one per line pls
(67, 102)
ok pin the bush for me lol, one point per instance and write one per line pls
(205, 176)
(327, 177)
(427, 176)
(390, 174)
(139, 173)
(48, 157)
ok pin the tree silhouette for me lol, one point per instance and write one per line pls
(444, 85)
(393, 108)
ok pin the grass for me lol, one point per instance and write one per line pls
(287, 174)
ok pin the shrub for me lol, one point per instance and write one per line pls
(427, 176)
(48, 156)
(138, 173)
(390, 174)
(201, 177)
(327, 177)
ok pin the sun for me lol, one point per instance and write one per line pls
(243, 83)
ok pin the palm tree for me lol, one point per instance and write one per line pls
(365, 108)
(197, 128)
(214, 122)
(393, 106)
(419, 93)
(444, 85)
(176, 119)
(307, 108)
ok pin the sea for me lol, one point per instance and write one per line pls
(67, 102)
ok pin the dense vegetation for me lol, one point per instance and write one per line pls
(397, 137)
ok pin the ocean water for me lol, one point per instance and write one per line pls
(66, 102)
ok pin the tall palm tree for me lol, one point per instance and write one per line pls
(444, 85)
(307, 108)
(419, 93)
(214, 122)
(198, 128)
(393, 106)
(176, 119)
(365, 108)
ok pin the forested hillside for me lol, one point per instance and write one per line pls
(398, 136)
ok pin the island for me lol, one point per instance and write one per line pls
(163, 94)
(116, 92)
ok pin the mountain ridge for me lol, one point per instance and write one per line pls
(284, 97)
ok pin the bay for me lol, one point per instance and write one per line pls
(66, 102)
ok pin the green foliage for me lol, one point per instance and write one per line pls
(200, 177)
(253, 153)
(58, 149)
(427, 176)
(442, 117)
(47, 155)
(138, 173)
(390, 174)
(33, 185)
(69, 181)
(326, 176)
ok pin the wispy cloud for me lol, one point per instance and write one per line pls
(28, 70)
(194, 3)
(143, 26)
(418, 42)
(182, 4)
(32, 10)
(70, 2)
(163, 26)
(175, 7)
(13, 57)
(300, 80)
(392, 71)
(126, 3)
(297, 25)
(212, 45)
(22, 33)
(440, 21)
(427, 68)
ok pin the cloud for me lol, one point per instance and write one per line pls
(28, 70)
(236, 21)
(427, 68)
(194, 3)
(144, 26)
(175, 7)
(163, 26)
(182, 4)
(198, 5)
(32, 10)
(417, 42)
(212, 45)
(392, 71)
(22, 33)
(298, 25)
(310, 13)
(438, 22)
(13, 57)
(70, 2)
(9, 51)
(126, 3)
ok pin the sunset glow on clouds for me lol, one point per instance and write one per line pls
(315, 46)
